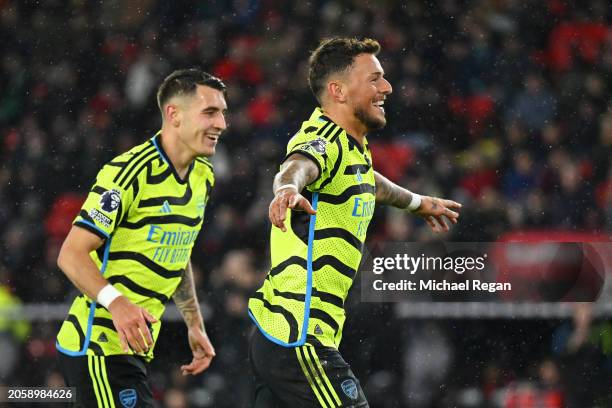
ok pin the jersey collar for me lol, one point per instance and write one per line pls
(318, 114)
(160, 149)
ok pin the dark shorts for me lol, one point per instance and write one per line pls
(111, 381)
(304, 376)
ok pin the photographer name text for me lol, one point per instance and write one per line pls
(441, 285)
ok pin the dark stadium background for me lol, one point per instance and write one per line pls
(502, 105)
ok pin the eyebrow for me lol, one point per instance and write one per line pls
(214, 109)
(377, 74)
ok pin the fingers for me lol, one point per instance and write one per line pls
(123, 337)
(437, 223)
(281, 212)
(209, 349)
(196, 366)
(133, 331)
(450, 214)
(144, 328)
(294, 200)
(436, 210)
(298, 202)
(442, 223)
(132, 335)
(149, 316)
(451, 204)
(146, 333)
(430, 221)
(123, 341)
(305, 205)
(277, 211)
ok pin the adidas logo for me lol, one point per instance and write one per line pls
(166, 208)
(318, 330)
(102, 338)
(358, 176)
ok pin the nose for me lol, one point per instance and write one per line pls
(220, 122)
(386, 88)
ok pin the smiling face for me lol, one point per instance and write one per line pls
(200, 120)
(366, 90)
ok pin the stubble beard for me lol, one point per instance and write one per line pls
(369, 121)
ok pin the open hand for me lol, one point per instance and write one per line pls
(287, 198)
(434, 210)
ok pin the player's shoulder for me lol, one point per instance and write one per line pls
(203, 167)
(316, 143)
(318, 128)
(203, 164)
(127, 165)
(146, 147)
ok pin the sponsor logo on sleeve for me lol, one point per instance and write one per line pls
(100, 218)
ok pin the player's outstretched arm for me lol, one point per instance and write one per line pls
(432, 209)
(186, 300)
(130, 320)
(296, 172)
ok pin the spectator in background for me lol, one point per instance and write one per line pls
(13, 329)
(535, 106)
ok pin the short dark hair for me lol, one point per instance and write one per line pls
(335, 55)
(184, 82)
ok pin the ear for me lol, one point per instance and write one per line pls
(172, 114)
(337, 91)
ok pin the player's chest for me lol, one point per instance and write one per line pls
(357, 169)
(170, 198)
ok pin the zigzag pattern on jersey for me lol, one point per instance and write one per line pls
(317, 264)
(162, 219)
(347, 193)
(292, 323)
(159, 200)
(161, 177)
(146, 262)
(135, 165)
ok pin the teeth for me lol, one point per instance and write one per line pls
(379, 103)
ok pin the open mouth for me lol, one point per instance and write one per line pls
(214, 138)
(380, 105)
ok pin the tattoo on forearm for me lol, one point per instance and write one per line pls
(390, 193)
(186, 300)
(297, 170)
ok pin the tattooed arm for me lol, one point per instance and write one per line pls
(432, 209)
(389, 193)
(186, 301)
(296, 172)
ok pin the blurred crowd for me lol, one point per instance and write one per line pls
(501, 105)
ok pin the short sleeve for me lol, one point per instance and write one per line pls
(318, 149)
(106, 204)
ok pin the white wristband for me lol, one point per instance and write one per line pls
(107, 295)
(415, 203)
(286, 186)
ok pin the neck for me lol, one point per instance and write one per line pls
(343, 117)
(178, 154)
